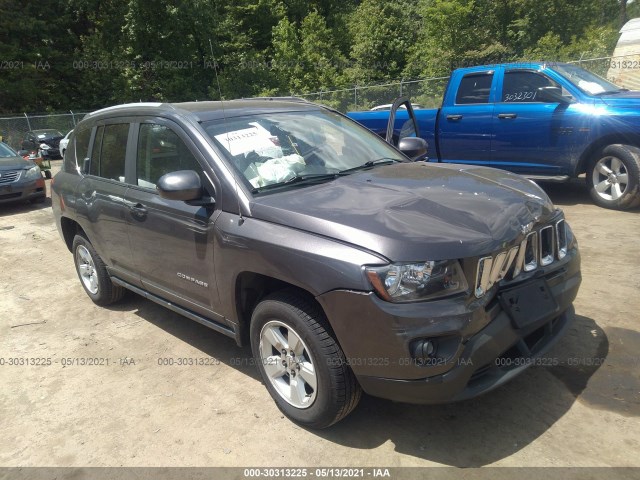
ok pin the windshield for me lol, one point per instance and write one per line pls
(48, 133)
(6, 151)
(586, 81)
(272, 149)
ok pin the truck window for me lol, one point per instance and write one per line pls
(474, 88)
(522, 86)
(160, 151)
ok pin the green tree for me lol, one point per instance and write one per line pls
(381, 34)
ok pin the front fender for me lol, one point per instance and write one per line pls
(311, 262)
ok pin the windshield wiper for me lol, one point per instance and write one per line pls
(371, 164)
(299, 179)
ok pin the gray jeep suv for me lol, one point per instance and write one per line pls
(347, 266)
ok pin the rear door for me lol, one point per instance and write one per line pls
(100, 197)
(172, 242)
(464, 123)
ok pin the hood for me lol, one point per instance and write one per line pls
(51, 141)
(414, 211)
(14, 163)
(630, 98)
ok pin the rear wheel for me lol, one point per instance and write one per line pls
(301, 363)
(93, 273)
(613, 177)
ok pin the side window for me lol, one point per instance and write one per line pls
(94, 168)
(160, 151)
(474, 88)
(522, 86)
(78, 148)
(408, 130)
(113, 151)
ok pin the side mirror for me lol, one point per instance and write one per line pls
(185, 186)
(552, 95)
(413, 147)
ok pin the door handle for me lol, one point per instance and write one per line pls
(507, 115)
(138, 210)
(455, 118)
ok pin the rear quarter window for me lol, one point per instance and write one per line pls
(77, 150)
(474, 88)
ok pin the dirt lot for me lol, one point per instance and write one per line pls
(135, 412)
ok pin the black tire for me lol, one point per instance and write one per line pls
(338, 391)
(106, 292)
(47, 174)
(629, 158)
(38, 200)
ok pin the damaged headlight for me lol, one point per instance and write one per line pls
(406, 282)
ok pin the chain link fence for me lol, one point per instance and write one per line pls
(13, 129)
(428, 92)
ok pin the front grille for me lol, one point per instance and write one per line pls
(8, 177)
(541, 247)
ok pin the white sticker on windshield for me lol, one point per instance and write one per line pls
(42, 135)
(590, 87)
(256, 138)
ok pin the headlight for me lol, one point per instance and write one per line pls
(44, 146)
(406, 282)
(33, 173)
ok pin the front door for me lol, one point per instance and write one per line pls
(533, 136)
(172, 241)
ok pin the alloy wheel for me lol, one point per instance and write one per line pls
(288, 364)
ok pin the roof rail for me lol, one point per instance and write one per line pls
(125, 105)
(288, 99)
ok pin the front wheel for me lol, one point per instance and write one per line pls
(613, 177)
(300, 362)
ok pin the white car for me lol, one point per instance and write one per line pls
(64, 142)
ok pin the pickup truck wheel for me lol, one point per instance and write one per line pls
(613, 177)
(93, 273)
(300, 362)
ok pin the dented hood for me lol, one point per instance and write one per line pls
(414, 211)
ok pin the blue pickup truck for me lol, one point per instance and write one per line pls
(550, 122)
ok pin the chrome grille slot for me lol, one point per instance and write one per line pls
(492, 270)
(511, 256)
(8, 177)
(546, 245)
(483, 274)
(531, 252)
(561, 239)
